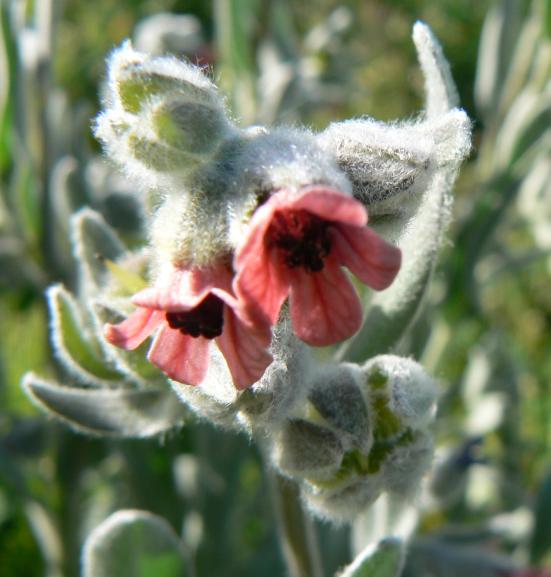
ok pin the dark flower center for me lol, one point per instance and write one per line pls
(204, 320)
(303, 238)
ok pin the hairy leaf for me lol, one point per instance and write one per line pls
(134, 543)
(74, 346)
(107, 412)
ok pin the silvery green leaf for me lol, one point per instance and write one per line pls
(46, 533)
(134, 543)
(441, 93)
(63, 203)
(495, 48)
(107, 412)
(540, 542)
(93, 240)
(390, 166)
(392, 311)
(534, 200)
(73, 343)
(384, 559)
(526, 123)
(524, 61)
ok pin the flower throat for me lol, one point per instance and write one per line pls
(205, 320)
(302, 237)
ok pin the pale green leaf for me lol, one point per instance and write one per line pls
(134, 544)
(111, 412)
(94, 241)
(74, 345)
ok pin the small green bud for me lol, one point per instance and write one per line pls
(161, 115)
(136, 78)
(136, 87)
(190, 126)
(402, 394)
(158, 156)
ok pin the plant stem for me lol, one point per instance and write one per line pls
(296, 530)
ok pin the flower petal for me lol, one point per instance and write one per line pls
(178, 290)
(133, 331)
(324, 306)
(244, 350)
(182, 358)
(373, 260)
(331, 205)
(261, 282)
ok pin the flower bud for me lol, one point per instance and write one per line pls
(364, 433)
(189, 126)
(403, 392)
(409, 461)
(308, 450)
(161, 115)
(336, 395)
(135, 78)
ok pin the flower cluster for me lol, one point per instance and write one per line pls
(296, 232)
(257, 242)
(362, 431)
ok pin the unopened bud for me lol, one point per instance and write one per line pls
(409, 461)
(337, 397)
(344, 503)
(190, 126)
(160, 114)
(404, 394)
(380, 414)
(307, 450)
(158, 156)
(136, 78)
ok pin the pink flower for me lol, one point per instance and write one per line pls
(191, 308)
(296, 246)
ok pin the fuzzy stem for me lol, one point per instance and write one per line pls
(296, 530)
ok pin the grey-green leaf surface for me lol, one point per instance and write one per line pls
(74, 345)
(93, 240)
(134, 544)
(107, 412)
